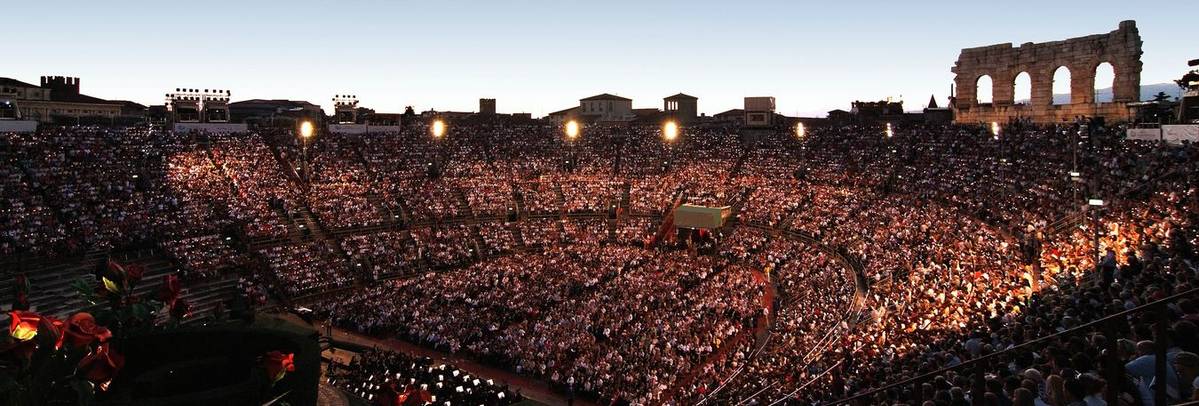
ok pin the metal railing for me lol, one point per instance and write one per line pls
(1108, 325)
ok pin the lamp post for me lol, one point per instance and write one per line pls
(572, 132)
(801, 134)
(438, 129)
(306, 131)
(670, 131)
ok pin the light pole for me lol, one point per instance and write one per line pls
(801, 134)
(670, 131)
(438, 129)
(306, 130)
(572, 132)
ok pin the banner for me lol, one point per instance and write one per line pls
(1144, 134)
(1176, 134)
(363, 128)
(215, 128)
(18, 126)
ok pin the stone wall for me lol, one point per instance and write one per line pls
(1003, 62)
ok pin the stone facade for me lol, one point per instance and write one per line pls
(1120, 48)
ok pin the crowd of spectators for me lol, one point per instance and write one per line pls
(609, 320)
(967, 242)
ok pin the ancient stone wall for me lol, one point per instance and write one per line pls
(1120, 48)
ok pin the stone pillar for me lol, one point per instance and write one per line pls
(1127, 85)
(966, 95)
(1125, 45)
(1082, 83)
(1004, 92)
(1042, 86)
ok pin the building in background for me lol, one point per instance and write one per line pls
(606, 107)
(274, 113)
(58, 99)
(487, 107)
(563, 115)
(681, 107)
(935, 114)
(877, 111)
(759, 111)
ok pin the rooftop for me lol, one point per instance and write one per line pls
(605, 96)
(682, 96)
(15, 83)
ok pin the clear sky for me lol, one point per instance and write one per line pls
(542, 56)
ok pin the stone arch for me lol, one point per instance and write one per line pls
(1061, 83)
(1105, 78)
(1076, 57)
(984, 90)
(1022, 88)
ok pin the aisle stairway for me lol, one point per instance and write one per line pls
(52, 287)
(461, 202)
(309, 220)
(517, 236)
(624, 195)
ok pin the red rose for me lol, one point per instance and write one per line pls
(101, 365)
(23, 324)
(29, 330)
(113, 278)
(23, 328)
(278, 364)
(50, 332)
(133, 273)
(82, 331)
(170, 290)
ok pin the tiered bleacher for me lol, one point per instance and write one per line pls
(855, 263)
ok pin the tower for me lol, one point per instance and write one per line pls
(683, 108)
(487, 107)
(345, 108)
(187, 105)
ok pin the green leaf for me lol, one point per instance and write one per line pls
(86, 290)
(140, 312)
(84, 286)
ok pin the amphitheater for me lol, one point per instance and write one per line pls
(854, 265)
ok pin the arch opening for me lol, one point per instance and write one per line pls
(1105, 83)
(1061, 86)
(1022, 88)
(984, 90)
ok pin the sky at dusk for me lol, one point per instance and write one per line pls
(542, 56)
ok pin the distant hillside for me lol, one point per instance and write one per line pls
(1147, 92)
